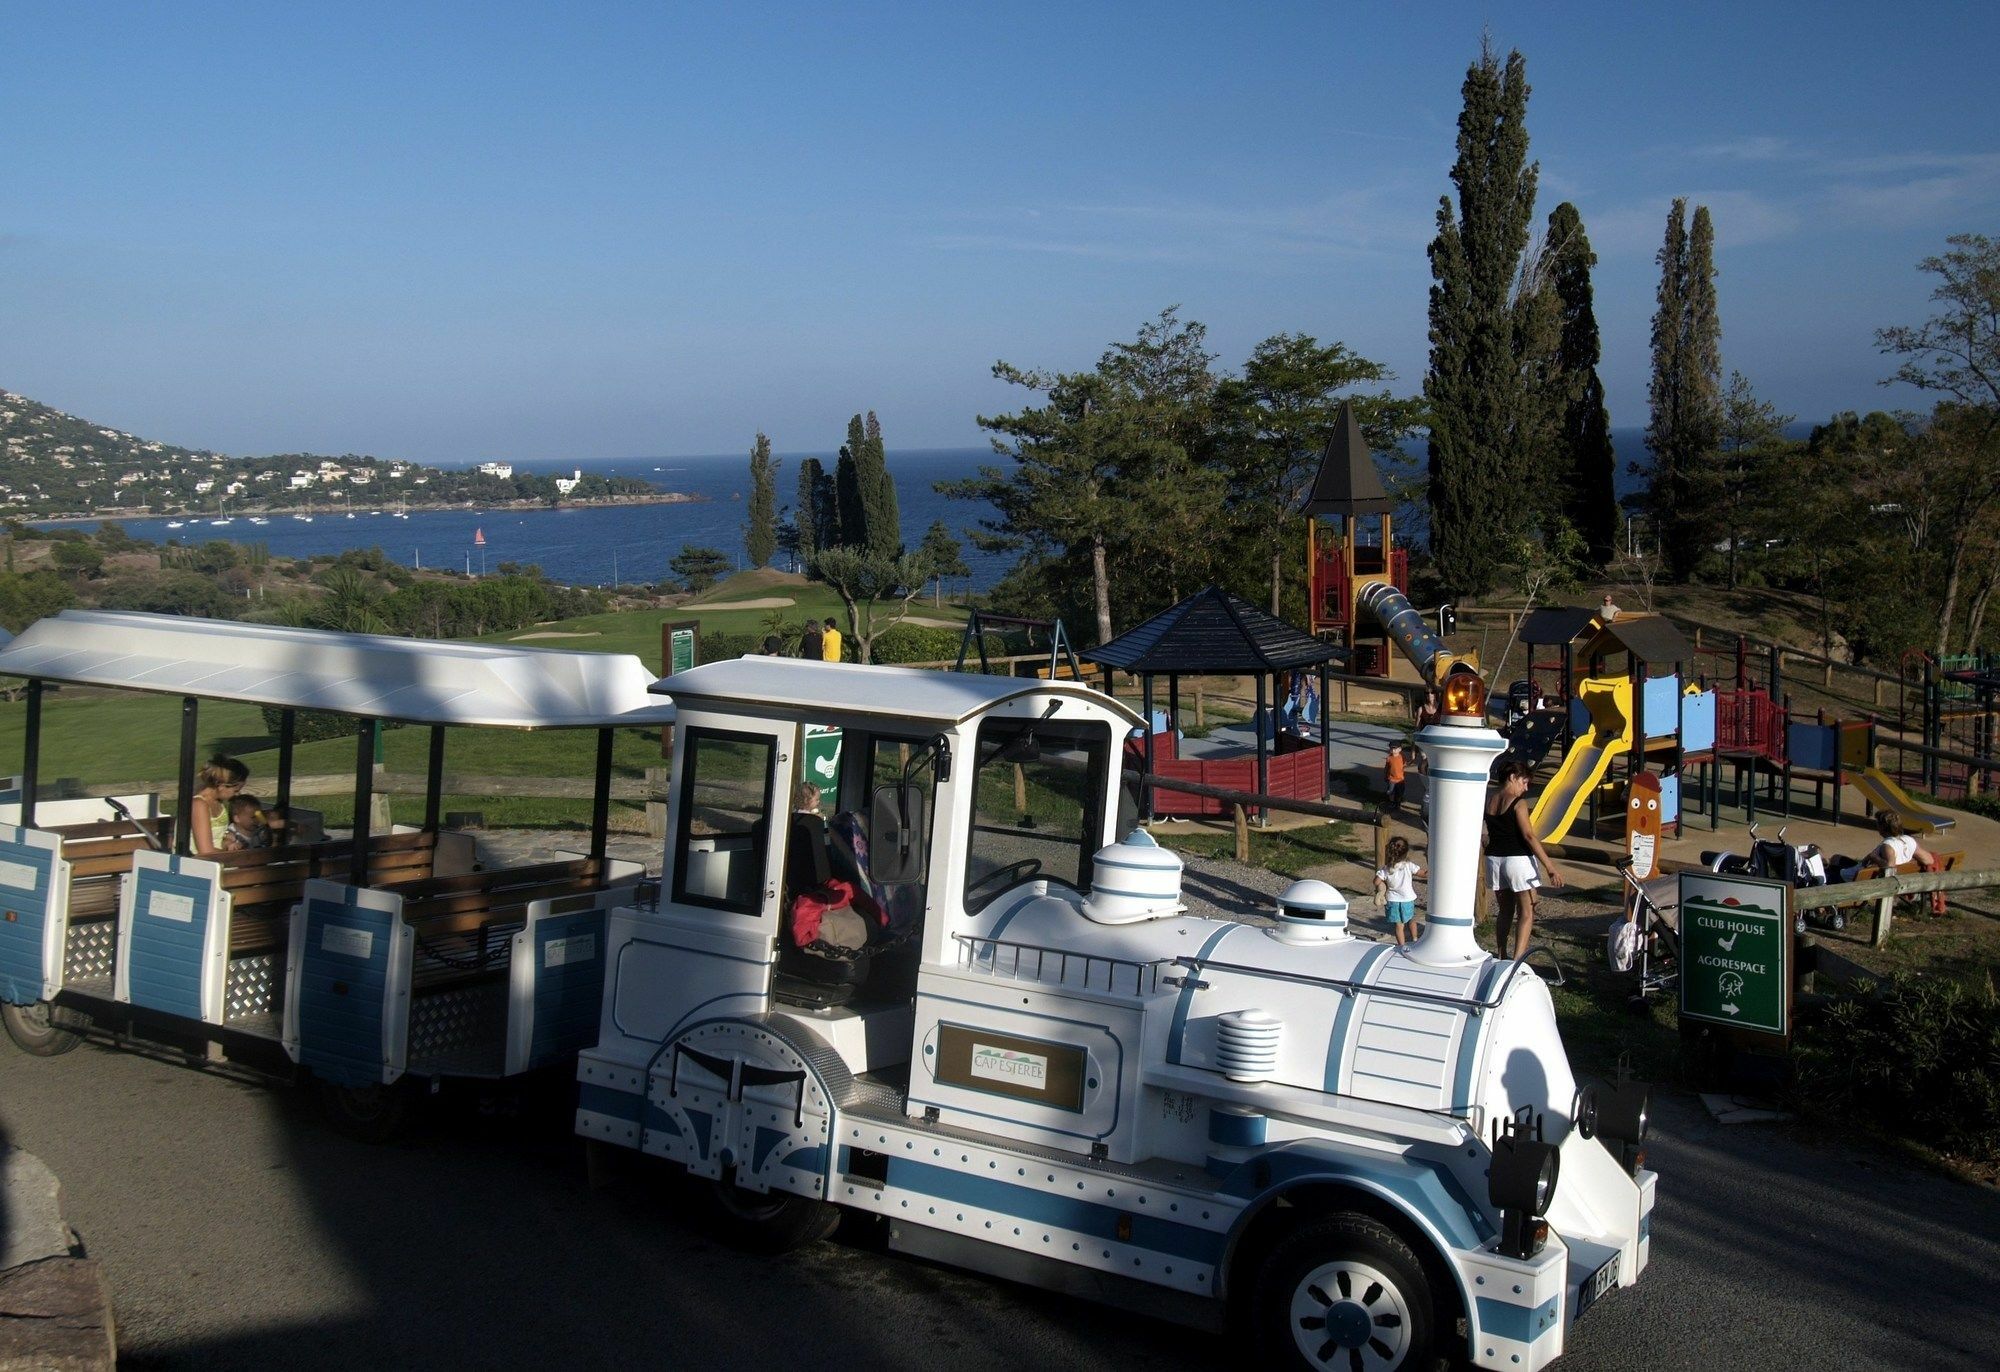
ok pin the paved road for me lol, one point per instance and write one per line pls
(238, 1232)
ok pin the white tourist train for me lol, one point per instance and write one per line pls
(1370, 1156)
(364, 959)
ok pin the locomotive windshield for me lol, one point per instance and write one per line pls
(1038, 805)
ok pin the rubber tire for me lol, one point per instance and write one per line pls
(769, 1224)
(34, 1032)
(1325, 1238)
(366, 1114)
(1836, 921)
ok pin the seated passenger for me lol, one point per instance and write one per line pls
(823, 910)
(247, 827)
(217, 784)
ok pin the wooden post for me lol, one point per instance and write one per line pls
(1242, 833)
(1200, 715)
(656, 810)
(1885, 909)
(1020, 790)
(1382, 842)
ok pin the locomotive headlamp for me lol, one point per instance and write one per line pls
(1464, 697)
(1622, 1110)
(1521, 1184)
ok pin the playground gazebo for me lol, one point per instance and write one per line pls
(1213, 632)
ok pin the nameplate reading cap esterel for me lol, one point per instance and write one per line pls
(1007, 1065)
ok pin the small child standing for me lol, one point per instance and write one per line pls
(246, 826)
(1396, 888)
(1392, 773)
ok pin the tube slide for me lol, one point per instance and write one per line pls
(1609, 700)
(1406, 627)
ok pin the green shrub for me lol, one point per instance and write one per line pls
(310, 726)
(1917, 1056)
(716, 646)
(919, 643)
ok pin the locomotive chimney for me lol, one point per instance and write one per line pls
(1461, 751)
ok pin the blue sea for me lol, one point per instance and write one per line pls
(593, 545)
(632, 544)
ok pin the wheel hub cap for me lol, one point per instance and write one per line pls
(1351, 1316)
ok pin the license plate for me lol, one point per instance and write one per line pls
(1596, 1284)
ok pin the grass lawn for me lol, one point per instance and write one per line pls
(1288, 852)
(638, 631)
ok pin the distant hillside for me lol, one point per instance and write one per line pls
(54, 464)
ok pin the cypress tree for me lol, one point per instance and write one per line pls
(1475, 387)
(885, 520)
(760, 536)
(806, 516)
(851, 490)
(1686, 387)
(1586, 462)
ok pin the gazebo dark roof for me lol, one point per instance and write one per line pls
(1213, 631)
(1650, 638)
(1555, 625)
(1347, 483)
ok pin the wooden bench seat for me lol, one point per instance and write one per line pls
(457, 917)
(265, 883)
(1947, 862)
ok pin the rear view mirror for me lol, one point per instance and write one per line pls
(898, 827)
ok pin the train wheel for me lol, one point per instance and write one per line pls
(1342, 1292)
(35, 1031)
(368, 1114)
(776, 1222)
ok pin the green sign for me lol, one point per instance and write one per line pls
(1736, 951)
(680, 650)
(822, 758)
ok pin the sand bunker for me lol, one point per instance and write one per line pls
(769, 602)
(553, 633)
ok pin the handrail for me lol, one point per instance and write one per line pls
(1347, 987)
(972, 945)
(1855, 892)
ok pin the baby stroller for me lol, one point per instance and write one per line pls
(1641, 939)
(1799, 864)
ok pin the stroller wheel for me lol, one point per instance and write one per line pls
(1836, 921)
(1798, 924)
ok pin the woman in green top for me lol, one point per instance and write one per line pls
(220, 782)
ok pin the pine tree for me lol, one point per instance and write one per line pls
(1686, 388)
(760, 537)
(1475, 387)
(1585, 462)
(807, 511)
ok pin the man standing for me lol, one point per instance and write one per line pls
(810, 646)
(830, 643)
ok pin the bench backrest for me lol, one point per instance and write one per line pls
(262, 876)
(456, 904)
(105, 849)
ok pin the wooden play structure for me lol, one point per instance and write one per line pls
(1350, 546)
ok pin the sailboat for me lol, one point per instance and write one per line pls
(307, 517)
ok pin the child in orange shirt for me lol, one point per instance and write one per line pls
(1392, 772)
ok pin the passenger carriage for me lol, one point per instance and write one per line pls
(1371, 1155)
(364, 958)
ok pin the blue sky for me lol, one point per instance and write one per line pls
(504, 230)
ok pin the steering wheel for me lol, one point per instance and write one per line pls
(1001, 878)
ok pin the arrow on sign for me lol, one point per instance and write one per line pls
(1730, 1010)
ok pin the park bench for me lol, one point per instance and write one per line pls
(1947, 862)
(265, 883)
(464, 924)
(98, 854)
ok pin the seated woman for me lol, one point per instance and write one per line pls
(219, 783)
(824, 913)
(1895, 849)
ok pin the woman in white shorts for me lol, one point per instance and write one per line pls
(1512, 856)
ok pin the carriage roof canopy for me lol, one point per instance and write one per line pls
(820, 691)
(1213, 631)
(372, 676)
(1347, 484)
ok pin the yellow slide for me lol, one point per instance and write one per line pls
(1883, 793)
(1609, 700)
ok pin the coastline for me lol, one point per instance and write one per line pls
(429, 507)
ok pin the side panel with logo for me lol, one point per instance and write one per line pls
(171, 937)
(34, 886)
(347, 1011)
(1010, 1059)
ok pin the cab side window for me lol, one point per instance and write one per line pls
(724, 832)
